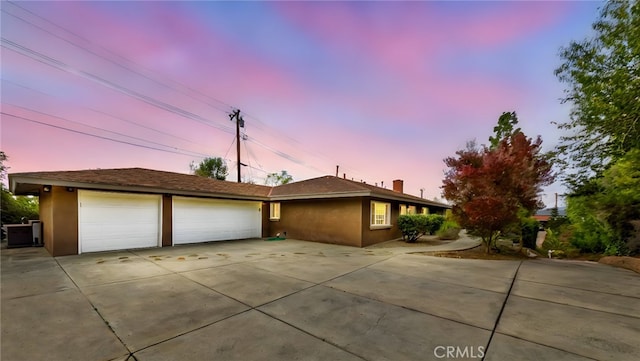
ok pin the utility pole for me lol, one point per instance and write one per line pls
(239, 124)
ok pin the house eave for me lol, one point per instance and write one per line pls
(319, 196)
(400, 198)
(25, 185)
(31, 186)
(373, 195)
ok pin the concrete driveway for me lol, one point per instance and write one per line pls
(294, 300)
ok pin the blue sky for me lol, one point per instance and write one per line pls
(386, 90)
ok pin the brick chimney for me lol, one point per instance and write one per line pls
(398, 186)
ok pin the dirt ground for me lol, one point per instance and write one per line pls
(632, 263)
(478, 253)
(508, 252)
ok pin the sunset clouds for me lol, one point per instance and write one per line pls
(384, 89)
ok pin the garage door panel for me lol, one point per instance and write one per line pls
(201, 220)
(113, 221)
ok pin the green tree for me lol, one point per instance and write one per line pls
(589, 229)
(619, 202)
(276, 179)
(215, 168)
(603, 78)
(3, 168)
(504, 129)
(14, 208)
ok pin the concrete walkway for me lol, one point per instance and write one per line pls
(464, 242)
(294, 300)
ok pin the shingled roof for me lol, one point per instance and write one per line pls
(136, 179)
(331, 187)
(155, 181)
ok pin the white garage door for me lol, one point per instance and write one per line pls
(202, 220)
(110, 221)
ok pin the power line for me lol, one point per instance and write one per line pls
(226, 110)
(229, 149)
(107, 138)
(95, 135)
(162, 105)
(30, 53)
(246, 145)
(35, 55)
(101, 129)
(99, 111)
(279, 153)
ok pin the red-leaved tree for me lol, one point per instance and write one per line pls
(490, 186)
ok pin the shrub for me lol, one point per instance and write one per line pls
(434, 222)
(559, 243)
(552, 242)
(412, 226)
(448, 230)
(592, 237)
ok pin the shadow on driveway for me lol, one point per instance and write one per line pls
(285, 300)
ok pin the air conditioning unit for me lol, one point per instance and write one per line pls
(36, 232)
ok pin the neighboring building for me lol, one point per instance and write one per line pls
(111, 209)
(544, 215)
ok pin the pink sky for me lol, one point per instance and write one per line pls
(386, 90)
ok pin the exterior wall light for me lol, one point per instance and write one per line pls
(46, 188)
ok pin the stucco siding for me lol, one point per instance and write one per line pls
(59, 216)
(46, 217)
(167, 220)
(336, 221)
(373, 235)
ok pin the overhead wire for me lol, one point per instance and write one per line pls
(30, 53)
(226, 110)
(93, 135)
(35, 55)
(99, 111)
(142, 97)
(246, 145)
(271, 149)
(233, 140)
(101, 129)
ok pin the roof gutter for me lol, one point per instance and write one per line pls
(14, 181)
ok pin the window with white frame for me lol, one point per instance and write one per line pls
(274, 211)
(380, 214)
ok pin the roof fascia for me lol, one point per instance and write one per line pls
(400, 198)
(140, 189)
(320, 196)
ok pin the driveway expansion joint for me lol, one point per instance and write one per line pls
(94, 308)
(298, 301)
(504, 304)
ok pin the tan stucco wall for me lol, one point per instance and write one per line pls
(336, 221)
(373, 235)
(46, 217)
(59, 216)
(266, 224)
(167, 220)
